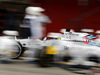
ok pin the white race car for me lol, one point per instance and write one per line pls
(81, 47)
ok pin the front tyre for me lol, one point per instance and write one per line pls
(93, 58)
(45, 59)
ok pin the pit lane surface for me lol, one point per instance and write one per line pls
(19, 67)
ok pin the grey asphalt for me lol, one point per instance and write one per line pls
(19, 67)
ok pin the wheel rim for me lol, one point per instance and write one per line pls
(17, 50)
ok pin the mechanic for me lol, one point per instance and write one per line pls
(33, 22)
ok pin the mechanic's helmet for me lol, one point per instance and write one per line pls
(34, 10)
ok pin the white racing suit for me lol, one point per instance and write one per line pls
(35, 25)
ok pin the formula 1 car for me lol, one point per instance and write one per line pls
(77, 48)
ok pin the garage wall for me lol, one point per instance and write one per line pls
(74, 14)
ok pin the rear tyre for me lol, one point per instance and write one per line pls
(18, 51)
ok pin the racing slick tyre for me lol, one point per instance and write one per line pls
(67, 58)
(93, 58)
(45, 59)
(18, 50)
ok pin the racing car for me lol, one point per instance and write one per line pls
(77, 48)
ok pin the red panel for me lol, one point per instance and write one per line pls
(68, 14)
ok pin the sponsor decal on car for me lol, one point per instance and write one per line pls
(52, 50)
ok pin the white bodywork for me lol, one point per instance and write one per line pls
(77, 49)
(8, 45)
(71, 42)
